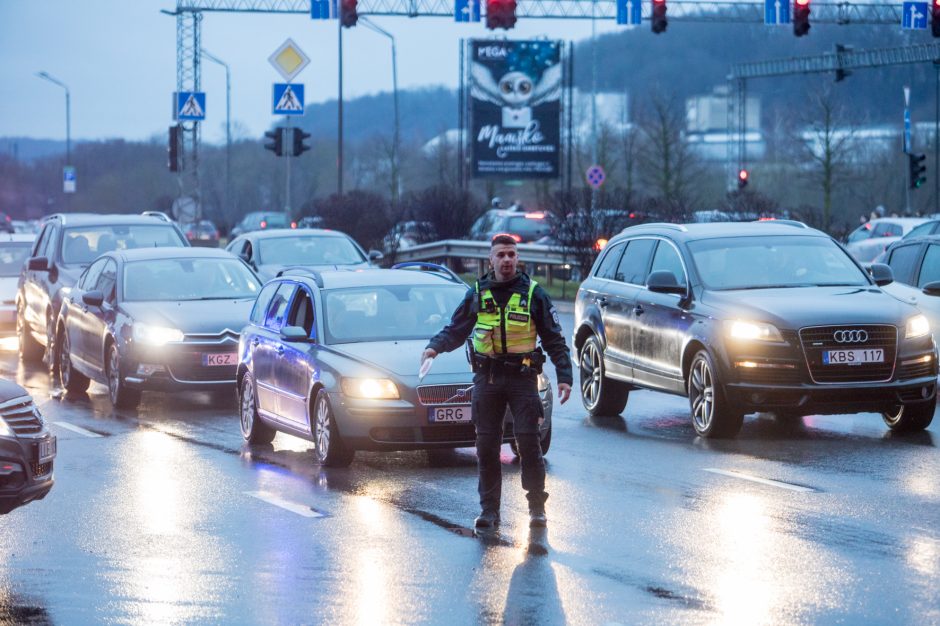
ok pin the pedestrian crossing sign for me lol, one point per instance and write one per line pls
(190, 106)
(288, 99)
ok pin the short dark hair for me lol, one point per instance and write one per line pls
(502, 239)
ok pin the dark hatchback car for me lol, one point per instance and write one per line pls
(63, 249)
(160, 319)
(523, 226)
(746, 317)
(270, 251)
(333, 357)
(27, 449)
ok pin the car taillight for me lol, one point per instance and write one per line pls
(599, 244)
(264, 224)
(293, 224)
(535, 216)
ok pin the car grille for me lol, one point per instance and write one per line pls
(430, 395)
(185, 362)
(819, 338)
(40, 469)
(22, 416)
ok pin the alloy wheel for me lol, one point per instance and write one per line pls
(591, 374)
(114, 374)
(65, 360)
(702, 390)
(247, 406)
(323, 428)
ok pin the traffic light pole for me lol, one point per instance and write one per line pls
(339, 121)
(936, 143)
(288, 151)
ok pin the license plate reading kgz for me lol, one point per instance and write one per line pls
(220, 358)
(853, 357)
(449, 413)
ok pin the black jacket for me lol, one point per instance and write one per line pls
(541, 308)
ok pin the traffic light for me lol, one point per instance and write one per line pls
(658, 20)
(349, 14)
(935, 18)
(742, 178)
(277, 141)
(917, 170)
(800, 17)
(173, 149)
(841, 73)
(500, 14)
(299, 137)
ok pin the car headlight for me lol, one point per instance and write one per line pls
(753, 331)
(5, 430)
(156, 335)
(917, 326)
(371, 388)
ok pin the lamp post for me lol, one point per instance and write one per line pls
(228, 126)
(68, 114)
(396, 184)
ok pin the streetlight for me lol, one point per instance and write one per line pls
(395, 147)
(68, 117)
(228, 126)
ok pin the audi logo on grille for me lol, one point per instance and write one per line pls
(850, 336)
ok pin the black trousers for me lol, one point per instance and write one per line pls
(492, 393)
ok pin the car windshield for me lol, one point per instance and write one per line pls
(526, 226)
(83, 245)
(13, 255)
(188, 279)
(309, 250)
(389, 312)
(773, 262)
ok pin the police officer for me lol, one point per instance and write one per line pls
(506, 312)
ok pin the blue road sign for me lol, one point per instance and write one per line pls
(466, 10)
(629, 12)
(776, 12)
(595, 176)
(914, 16)
(323, 9)
(69, 180)
(191, 106)
(288, 99)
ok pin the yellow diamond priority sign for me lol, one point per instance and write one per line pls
(289, 60)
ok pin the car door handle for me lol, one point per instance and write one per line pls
(280, 349)
(638, 309)
(603, 301)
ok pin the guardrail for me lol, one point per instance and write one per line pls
(451, 252)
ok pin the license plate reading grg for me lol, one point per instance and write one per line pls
(459, 413)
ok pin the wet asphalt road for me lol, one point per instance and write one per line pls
(163, 516)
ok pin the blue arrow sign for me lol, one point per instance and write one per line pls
(288, 99)
(629, 12)
(323, 10)
(466, 10)
(776, 12)
(914, 16)
(191, 106)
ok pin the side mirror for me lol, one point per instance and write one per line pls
(38, 264)
(93, 298)
(932, 289)
(375, 255)
(294, 334)
(881, 273)
(664, 281)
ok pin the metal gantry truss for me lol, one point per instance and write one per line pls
(189, 16)
(846, 59)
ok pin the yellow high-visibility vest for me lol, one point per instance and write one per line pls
(504, 331)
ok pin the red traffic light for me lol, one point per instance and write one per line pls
(500, 14)
(742, 179)
(348, 13)
(658, 21)
(935, 18)
(800, 17)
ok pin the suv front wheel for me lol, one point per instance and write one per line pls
(712, 414)
(906, 418)
(601, 396)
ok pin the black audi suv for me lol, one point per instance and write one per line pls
(748, 317)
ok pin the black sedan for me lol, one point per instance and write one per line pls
(27, 449)
(155, 319)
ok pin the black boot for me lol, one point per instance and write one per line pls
(487, 519)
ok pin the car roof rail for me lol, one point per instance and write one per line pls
(158, 214)
(438, 270)
(669, 225)
(300, 270)
(794, 223)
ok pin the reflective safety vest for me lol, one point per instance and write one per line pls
(509, 330)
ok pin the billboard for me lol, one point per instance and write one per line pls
(515, 108)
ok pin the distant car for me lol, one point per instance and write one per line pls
(268, 252)
(524, 227)
(6, 223)
(311, 221)
(263, 220)
(67, 244)
(160, 319)
(27, 449)
(202, 233)
(408, 234)
(332, 357)
(872, 238)
(14, 250)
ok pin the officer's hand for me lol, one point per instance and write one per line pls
(564, 392)
(429, 353)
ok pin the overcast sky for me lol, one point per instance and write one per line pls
(118, 58)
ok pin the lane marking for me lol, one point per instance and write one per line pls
(758, 479)
(293, 507)
(77, 429)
